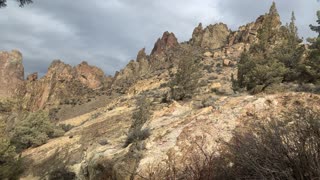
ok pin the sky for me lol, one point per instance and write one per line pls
(109, 33)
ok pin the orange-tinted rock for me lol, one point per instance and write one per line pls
(168, 40)
(90, 76)
(63, 82)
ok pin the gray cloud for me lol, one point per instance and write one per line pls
(109, 33)
(236, 13)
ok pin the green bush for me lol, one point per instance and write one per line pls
(10, 164)
(62, 174)
(262, 74)
(141, 116)
(35, 130)
(6, 105)
(311, 68)
(66, 127)
(137, 135)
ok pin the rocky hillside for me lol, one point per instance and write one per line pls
(99, 108)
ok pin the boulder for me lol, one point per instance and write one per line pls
(215, 85)
(226, 62)
(208, 54)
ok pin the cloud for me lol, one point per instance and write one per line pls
(110, 33)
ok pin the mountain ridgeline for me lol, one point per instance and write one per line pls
(190, 110)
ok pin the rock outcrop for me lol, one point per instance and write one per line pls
(11, 74)
(174, 128)
(248, 33)
(212, 37)
(135, 70)
(63, 83)
(167, 41)
(90, 76)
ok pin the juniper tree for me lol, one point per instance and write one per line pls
(289, 51)
(259, 67)
(185, 81)
(10, 164)
(35, 130)
(267, 33)
(273, 9)
(139, 118)
(293, 28)
(316, 28)
(3, 3)
(311, 68)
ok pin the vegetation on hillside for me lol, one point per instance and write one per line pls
(282, 147)
(286, 146)
(139, 118)
(35, 130)
(274, 59)
(185, 81)
(10, 163)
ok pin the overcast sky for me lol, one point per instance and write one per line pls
(109, 33)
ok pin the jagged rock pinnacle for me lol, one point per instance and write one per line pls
(168, 40)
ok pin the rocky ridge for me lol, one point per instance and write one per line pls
(93, 148)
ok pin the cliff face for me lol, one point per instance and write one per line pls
(135, 70)
(90, 76)
(167, 41)
(93, 148)
(63, 83)
(212, 37)
(216, 39)
(11, 74)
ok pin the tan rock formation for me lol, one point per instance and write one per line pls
(208, 54)
(131, 73)
(226, 62)
(11, 74)
(63, 82)
(90, 76)
(212, 37)
(32, 77)
(174, 128)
